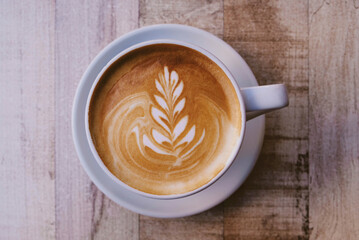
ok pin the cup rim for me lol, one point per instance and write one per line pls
(211, 57)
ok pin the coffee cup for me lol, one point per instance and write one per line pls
(165, 119)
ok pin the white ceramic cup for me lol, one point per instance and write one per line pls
(254, 101)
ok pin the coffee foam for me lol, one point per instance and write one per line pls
(165, 119)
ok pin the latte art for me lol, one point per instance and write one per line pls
(162, 122)
(166, 139)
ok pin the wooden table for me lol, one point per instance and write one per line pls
(306, 182)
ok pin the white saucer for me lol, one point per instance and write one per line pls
(210, 196)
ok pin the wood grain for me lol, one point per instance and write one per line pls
(334, 119)
(207, 15)
(305, 184)
(207, 225)
(83, 28)
(204, 14)
(272, 36)
(27, 187)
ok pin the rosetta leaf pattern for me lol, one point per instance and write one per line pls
(169, 116)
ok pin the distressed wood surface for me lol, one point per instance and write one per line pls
(334, 119)
(272, 36)
(305, 184)
(82, 30)
(204, 14)
(27, 185)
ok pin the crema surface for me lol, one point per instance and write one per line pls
(165, 119)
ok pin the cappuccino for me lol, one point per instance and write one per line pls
(165, 119)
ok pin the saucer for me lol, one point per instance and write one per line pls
(218, 191)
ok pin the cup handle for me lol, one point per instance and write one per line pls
(263, 99)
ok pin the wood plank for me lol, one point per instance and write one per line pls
(207, 225)
(272, 36)
(83, 28)
(204, 14)
(27, 187)
(334, 121)
(207, 15)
